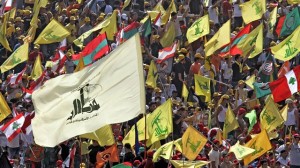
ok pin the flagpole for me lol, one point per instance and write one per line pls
(145, 153)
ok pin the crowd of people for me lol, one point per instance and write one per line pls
(228, 87)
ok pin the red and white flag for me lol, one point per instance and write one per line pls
(286, 86)
(63, 45)
(13, 127)
(16, 78)
(166, 53)
(26, 128)
(285, 68)
(157, 20)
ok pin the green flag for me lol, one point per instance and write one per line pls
(291, 22)
(252, 119)
(146, 27)
(261, 89)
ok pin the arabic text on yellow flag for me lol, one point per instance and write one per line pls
(164, 151)
(37, 69)
(169, 36)
(260, 143)
(221, 38)
(103, 135)
(253, 42)
(288, 48)
(283, 112)
(230, 123)
(250, 81)
(270, 117)
(160, 122)
(293, 1)
(185, 92)
(80, 65)
(130, 136)
(253, 10)
(111, 29)
(240, 151)
(105, 23)
(188, 164)
(3, 39)
(192, 143)
(53, 32)
(202, 86)
(4, 108)
(272, 20)
(18, 56)
(152, 75)
(198, 29)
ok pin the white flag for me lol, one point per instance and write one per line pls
(109, 91)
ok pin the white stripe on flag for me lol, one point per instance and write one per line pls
(292, 81)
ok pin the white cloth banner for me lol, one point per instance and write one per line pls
(109, 91)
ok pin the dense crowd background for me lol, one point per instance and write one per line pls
(228, 87)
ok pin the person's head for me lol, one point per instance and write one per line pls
(284, 153)
(224, 100)
(152, 106)
(134, 16)
(241, 112)
(241, 84)
(264, 163)
(95, 143)
(181, 58)
(296, 138)
(119, 147)
(173, 16)
(36, 47)
(127, 147)
(72, 20)
(174, 94)
(289, 102)
(198, 58)
(238, 58)
(216, 144)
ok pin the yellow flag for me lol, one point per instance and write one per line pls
(160, 122)
(240, 151)
(103, 135)
(220, 39)
(272, 20)
(153, 15)
(188, 164)
(284, 112)
(260, 143)
(18, 56)
(250, 81)
(270, 117)
(289, 47)
(166, 14)
(169, 36)
(198, 29)
(178, 144)
(80, 65)
(185, 92)
(53, 32)
(293, 1)
(12, 13)
(192, 143)
(202, 86)
(253, 42)
(164, 151)
(126, 3)
(111, 29)
(130, 136)
(3, 39)
(4, 108)
(154, 145)
(253, 10)
(105, 23)
(37, 69)
(230, 123)
(152, 75)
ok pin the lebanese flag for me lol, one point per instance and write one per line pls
(26, 128)
(286, 86)
(8, 5)
(285, 68)
(16, 78)
(13, 127)
(63, 45)
(157, 20)
(166, 53)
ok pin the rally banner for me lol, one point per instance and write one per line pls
(109, 91)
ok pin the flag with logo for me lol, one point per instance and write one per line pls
(87, 95)
(152, 75)
(198, 29)
(272, 20)
(202, 87)
(110, 154)
(103, 135)
(230, 122)
(252, 119)
(261, 89)
(220, 39)
(286, 86)
(268, 71)
(192, 143)
(260, 143)
(130, 136)
(288, 23)
(12, 128)
(4, 108)
(178, 144)
(188, 164)
(164, 151)
(166, 14)
(185, 92)
(240, 151)
(252, 44)
(18, 56)
(250, 81)
(288, 48)
(270, 117)
(160, 122)
(37, 69)
(169, 36)
(253, 10)
(53, 32)
(3, 39)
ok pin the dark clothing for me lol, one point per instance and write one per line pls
(129, 157)
(195, 6)
(179, 68)
(161, 163)
(236, 75)
(93, 152)
(155, 47)
(176, 127)
(64, 151)
(187, 65)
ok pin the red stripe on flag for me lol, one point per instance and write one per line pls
(280, 25)
(280, 89)
(102, 52)
(13, 135)
(11, 121)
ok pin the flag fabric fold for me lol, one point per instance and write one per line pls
(253, 10)
(198, 29)
(230, 122)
